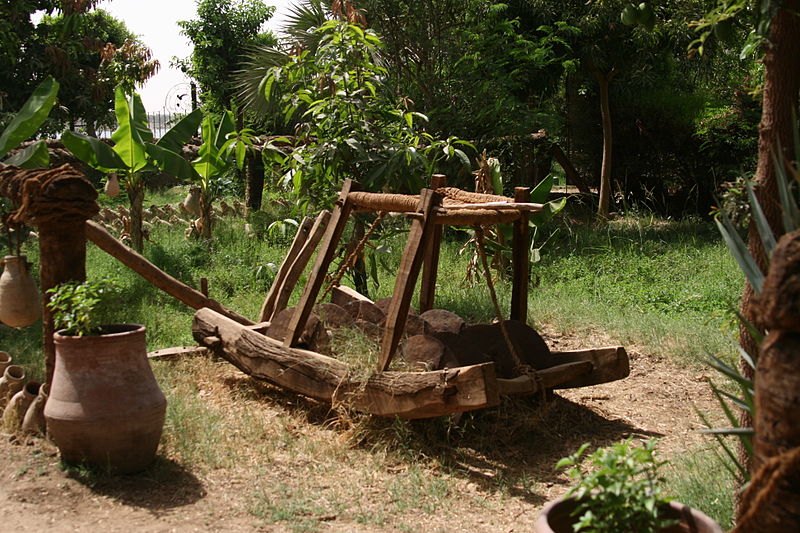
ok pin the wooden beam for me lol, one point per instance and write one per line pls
(520, 260)
(550, 378)
(295, 270)
(327, 251)
(343, 295)
(418, 238)
(157, 277)
(407, 395)
(608, 364)
(430, 266)
(268, 307)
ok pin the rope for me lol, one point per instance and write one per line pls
(350, 261)
(765, 489)
(42, 199)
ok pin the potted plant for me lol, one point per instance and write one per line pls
(621, 492)
(105, 408)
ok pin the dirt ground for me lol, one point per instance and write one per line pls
(495, 483)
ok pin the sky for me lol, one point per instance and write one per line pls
(155, 22)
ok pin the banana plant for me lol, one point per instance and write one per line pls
(25, 124)
(222, 147)
(134, 153)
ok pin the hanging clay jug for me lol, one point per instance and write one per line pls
(104, 406)
(19, 296)
(33, 422)
(5, 360)
(112, 186)
(191, 204)
(11, 383)
(15, 411)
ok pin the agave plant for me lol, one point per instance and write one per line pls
(788, 183)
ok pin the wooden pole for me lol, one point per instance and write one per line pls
(58, 202)
(327, 250)
(191, 297)
(418, 239)
(430, 266)
(268, 307)
(520, 260)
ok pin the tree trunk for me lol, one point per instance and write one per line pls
(254, 174)
(603, 81)
(206, 219)
(780, 97)
(772, 500)
(136, 198)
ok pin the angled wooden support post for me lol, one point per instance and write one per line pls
(268, 307)
(520, 259)
(430, 266)
(327, 250)
(418, 240)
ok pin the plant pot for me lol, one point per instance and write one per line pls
(11, 382)
(19, 297)
(105, 408)
(15, 411)
(111, 188)
(5, 361)
(556, 517)
(33, 422)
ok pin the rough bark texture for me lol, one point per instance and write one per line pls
(136, 199)
(772, 501)
(255, 181)
(780, 96)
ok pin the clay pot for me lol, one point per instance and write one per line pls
(19, 296)
(105, 407)
(556, 518)
(112, 186)
(15, 411)
(33, 422)
(5, 360)
(191, 204)
(11, 383)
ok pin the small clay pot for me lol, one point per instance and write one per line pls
(111, 188)
(5, 360)
(556, 517)
(11, 383)
(33, 422)
(19, 297)
(15, 411)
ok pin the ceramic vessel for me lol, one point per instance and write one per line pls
(15, 411)
(19, 297)
(5, 361)
(104, 407)
(33, 422)
(556, 517)
(11, 383)
(111, 188)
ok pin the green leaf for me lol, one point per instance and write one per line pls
(140, 119)
(541, 192)
(128, 144)
(182, 132)
(93, 152)
(33, 156)
(764, 230)
(30, 118)
(170, 162)
(740, 252)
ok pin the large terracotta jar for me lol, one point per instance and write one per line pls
(19, 296)
(105, 407)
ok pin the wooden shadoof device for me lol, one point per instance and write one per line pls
(478, 364)
(281, 359)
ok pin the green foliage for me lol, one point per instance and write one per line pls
(621, 491)
(220, 35)
(349, 125)
(25, 123)
(73, 305)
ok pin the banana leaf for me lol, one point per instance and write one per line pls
(93, 152)
(30, 118)
(170, 162)
(140, 118)
(181, 132)
(128, 143)
(34, 156)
